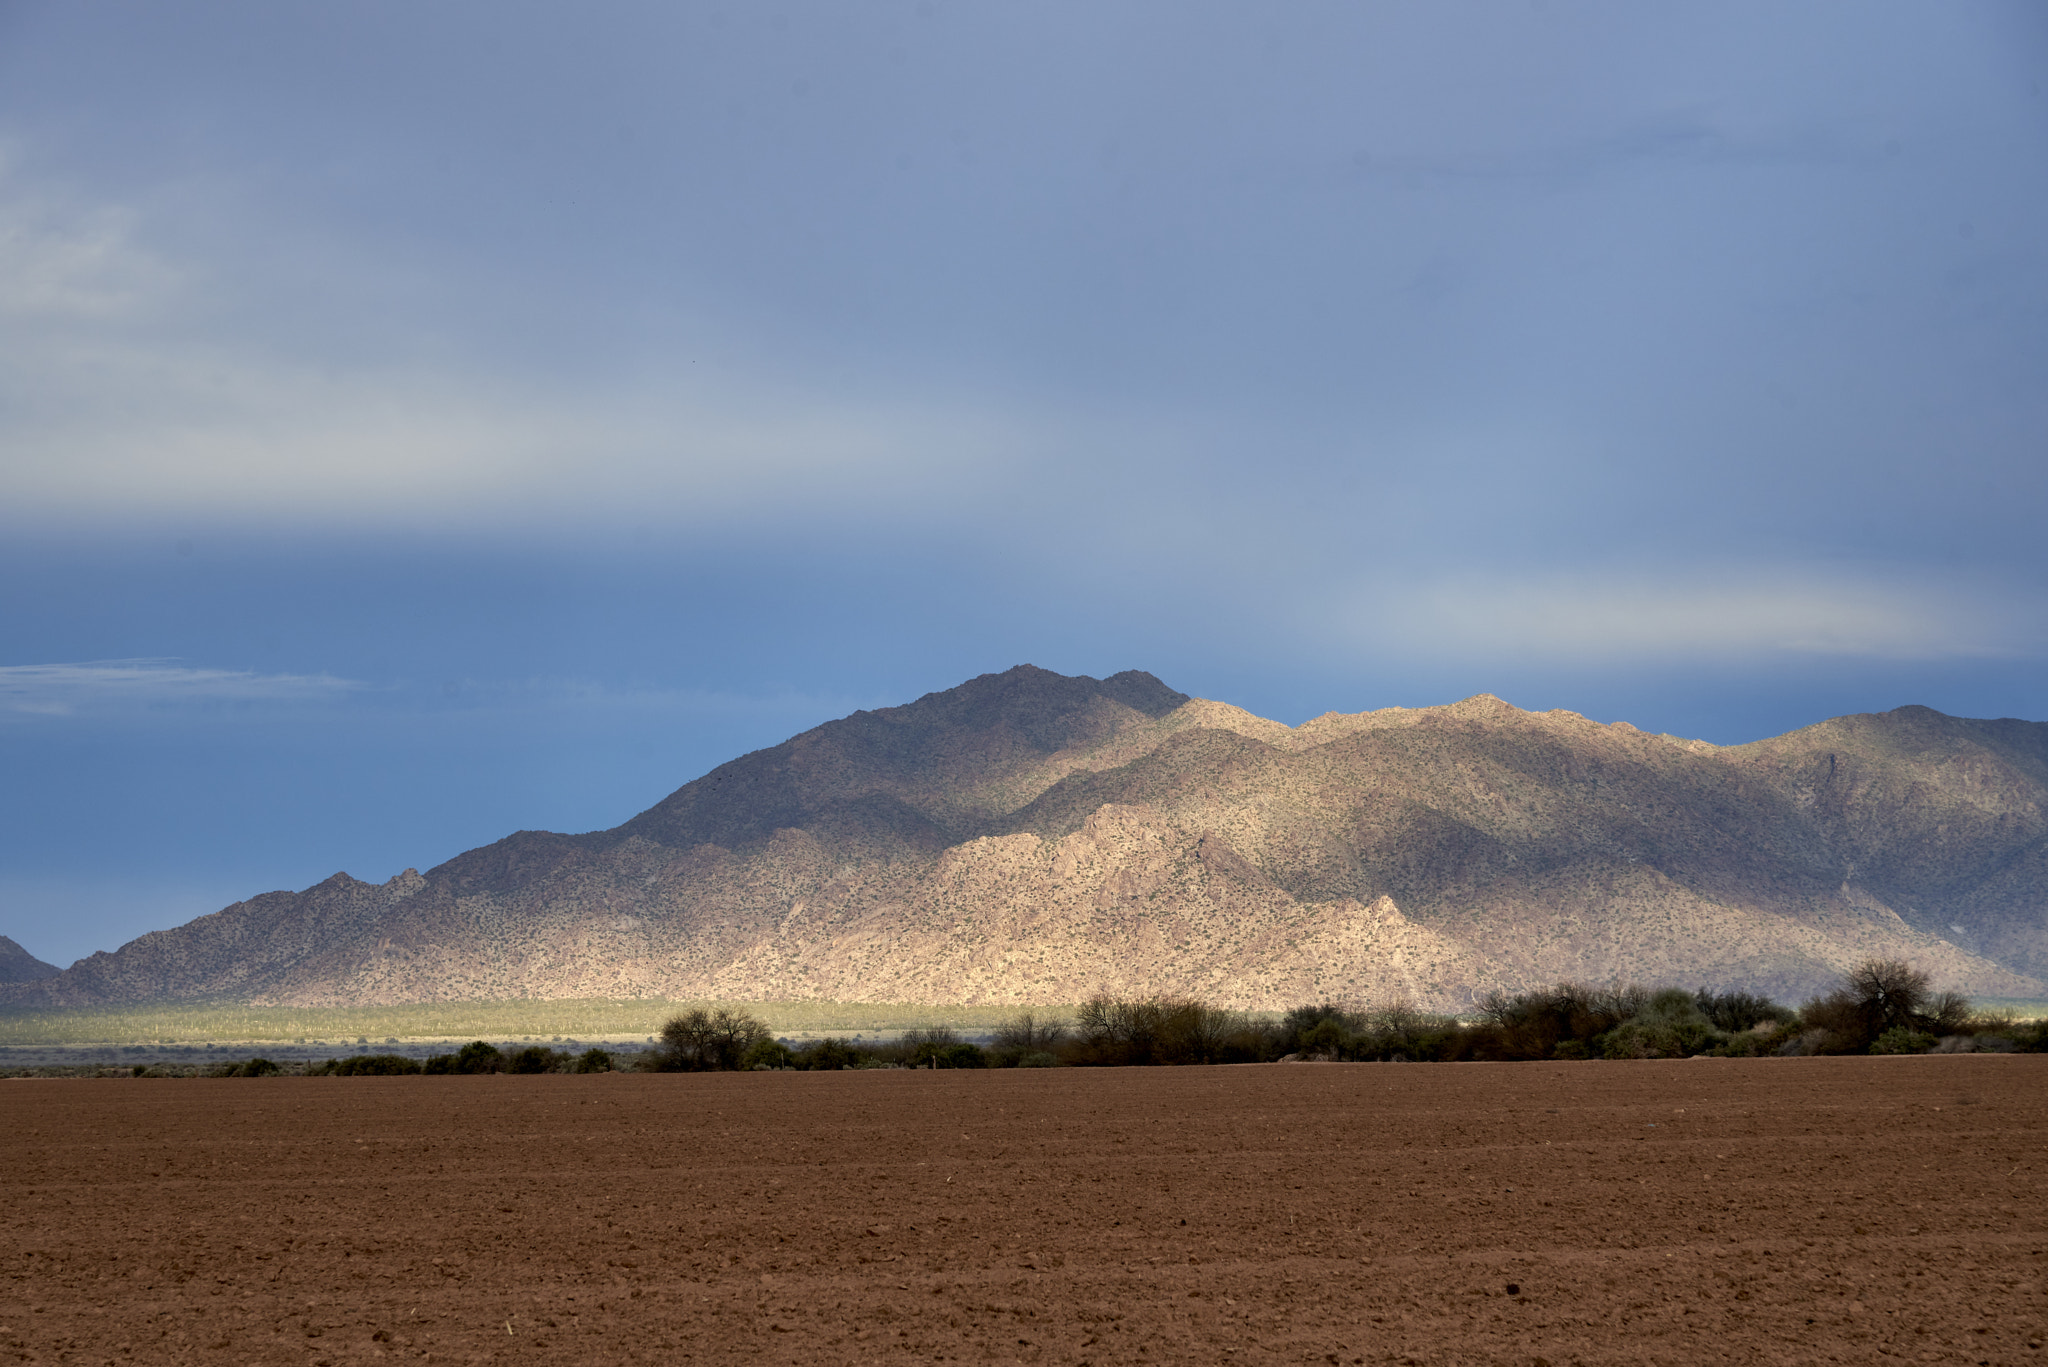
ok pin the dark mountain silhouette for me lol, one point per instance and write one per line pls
(1031, 837)
(17, 965)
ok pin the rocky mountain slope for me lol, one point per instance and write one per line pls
(1029, 837)
(17, 965)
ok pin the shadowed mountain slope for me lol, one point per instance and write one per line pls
(17, 965)
(1031, 837)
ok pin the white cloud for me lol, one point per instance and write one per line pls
(1661, 615)
(131, 389)
(102, 685)
(65, 262)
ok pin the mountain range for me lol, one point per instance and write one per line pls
(1029, 837)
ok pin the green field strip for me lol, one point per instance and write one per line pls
(584, 1018)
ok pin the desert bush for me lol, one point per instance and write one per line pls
(966, 1054)
(1398, 1033)
(1025, 1034)
(1903, 1039)
(704, 1041)
(593, 1061)
(1948, 1013)
(1120, 1031)
(259, 1067)
(827, 1054)
(1531, 1025)
(920, 1048)
(767, 1052)
(1038, 1061)
(1668, 1025)
(1878, 996)
(248, 1067)
(1324, 1028)
(1734, 1012)
(534, 1058)
(1747, 1044)
(372, 1065)
(474, 1057)
(1328, 1038)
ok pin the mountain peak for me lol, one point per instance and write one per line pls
(1031, 837)
(953, 759)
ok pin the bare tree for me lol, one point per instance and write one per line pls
(1141, 1030)
(923, 1046)
(1025, 1033)
(700, 1041)
(1878, 995)
(1890, 992)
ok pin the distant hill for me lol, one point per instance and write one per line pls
(17, 965)
(1030, 837)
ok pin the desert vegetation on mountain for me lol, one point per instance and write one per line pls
(1029, 839)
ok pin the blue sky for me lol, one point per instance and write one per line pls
(421, 423)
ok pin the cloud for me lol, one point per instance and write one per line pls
(1652, 616)
(65, 262)
(61, 690)
(132, 388)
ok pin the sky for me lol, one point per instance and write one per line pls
(420, 423)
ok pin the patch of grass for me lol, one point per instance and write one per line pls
(586, 1018)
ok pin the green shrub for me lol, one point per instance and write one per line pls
(1571, 1050)
(1748, 1044)
(1901, 1039)
(830, 1054)
(250, 1067)
(962, 1055)
(478, 1057)
(1324, 1028)
(534, 1058)
(372, 1065)
(1530, 1025)
(593, 1061)
(1327, 1038)
(767, 1052)
(1668, 1025)
(474, 1057)
(1038, 1061)
(1734, 1012)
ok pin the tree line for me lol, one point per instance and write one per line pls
(1880, 1006)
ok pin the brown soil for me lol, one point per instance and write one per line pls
(1798, 1210)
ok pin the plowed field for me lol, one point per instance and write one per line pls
(1796, 1211)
